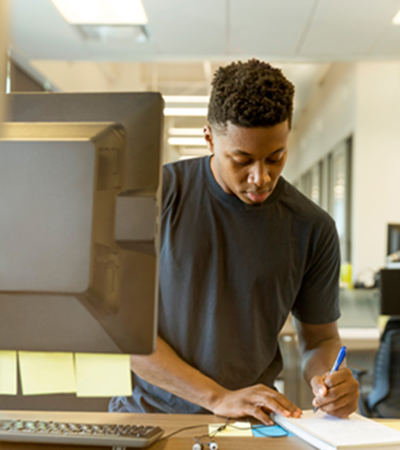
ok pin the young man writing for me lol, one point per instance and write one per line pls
(241, 249)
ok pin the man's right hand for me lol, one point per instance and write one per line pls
(255, 401)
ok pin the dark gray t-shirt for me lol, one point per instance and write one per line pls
(230, 273)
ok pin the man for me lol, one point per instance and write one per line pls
(241, 249)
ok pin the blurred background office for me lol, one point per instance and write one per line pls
(342, 55)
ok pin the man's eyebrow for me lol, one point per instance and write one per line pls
(243, 153)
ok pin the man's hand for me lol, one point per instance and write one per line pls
(256, 401)
(336, 394)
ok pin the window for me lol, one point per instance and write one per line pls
(328, 184)
(339, 195)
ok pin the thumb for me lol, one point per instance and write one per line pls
(318, 386)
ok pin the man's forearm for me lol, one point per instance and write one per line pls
(165, 369)
(319, 360)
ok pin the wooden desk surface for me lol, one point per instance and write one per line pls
(169, 422)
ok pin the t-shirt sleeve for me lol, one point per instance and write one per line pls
(169, 186)
(317, 301)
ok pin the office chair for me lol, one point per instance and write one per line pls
(384, 399)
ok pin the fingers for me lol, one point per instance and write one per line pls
(278, 403)
(318, 386)
(256, 401)
(338, 377)
(262, 416)
(342, 394)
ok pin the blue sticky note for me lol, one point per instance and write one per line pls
(269, 431)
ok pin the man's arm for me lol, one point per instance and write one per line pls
(336, 394)
(165, 369)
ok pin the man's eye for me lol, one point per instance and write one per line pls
(241, 162)
(274, 160)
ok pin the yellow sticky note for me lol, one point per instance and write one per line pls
(395, 424)
(242, 429)
(47, 373)
(99, 375)
(8, 372)
(382, 321)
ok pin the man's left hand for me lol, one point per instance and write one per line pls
(336, 394)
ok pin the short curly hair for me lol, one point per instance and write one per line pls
(250, 94)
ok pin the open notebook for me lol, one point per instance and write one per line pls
(326, 432)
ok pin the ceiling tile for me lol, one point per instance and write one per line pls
(271, 27)
(347, 27)
(388, 44)
(182, 27)
(356, 10)
(39, 31)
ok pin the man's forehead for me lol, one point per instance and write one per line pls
(275, 133)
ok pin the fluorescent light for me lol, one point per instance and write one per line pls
(197, 151)
(396, 19)
(186, 98)
(199, 112)
(115, 33)
(186, 141)
(181, 158)
(185, 131)
(102, 12)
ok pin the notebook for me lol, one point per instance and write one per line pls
(326, 432)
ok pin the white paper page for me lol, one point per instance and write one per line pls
(354, 431)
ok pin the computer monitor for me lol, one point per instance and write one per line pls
(79, 234)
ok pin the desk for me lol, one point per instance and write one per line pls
(169, 422)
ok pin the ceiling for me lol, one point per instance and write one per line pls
(189, 39)
(291, 30)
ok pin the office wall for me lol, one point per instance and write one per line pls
(328, 118)
(91, 76)
(376, 160)
(363, 100)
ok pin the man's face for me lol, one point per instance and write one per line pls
(247, 162)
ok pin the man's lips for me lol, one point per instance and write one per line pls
(258, 196)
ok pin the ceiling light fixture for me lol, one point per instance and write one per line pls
(197, 151)
(185, 131)
(396, 19)
(115, 33)
(186, 141)
(183, 157)
(102, 12)
(186, 98)
(198, 112)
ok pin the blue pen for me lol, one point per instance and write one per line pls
(339, 359)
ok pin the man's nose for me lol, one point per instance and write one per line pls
(259, 175)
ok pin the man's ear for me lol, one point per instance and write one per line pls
(209, 137)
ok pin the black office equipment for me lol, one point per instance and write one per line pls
(67, 433)
(79, 234)
(389, 287)
(384, 399)
(393, 241)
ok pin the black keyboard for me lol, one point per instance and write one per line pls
(48, 432)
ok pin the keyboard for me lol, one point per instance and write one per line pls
(48, 432)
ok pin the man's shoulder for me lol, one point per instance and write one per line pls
(182, 178)
(303, 207)
(183, 169)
